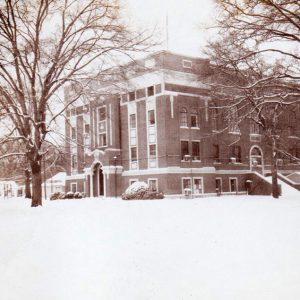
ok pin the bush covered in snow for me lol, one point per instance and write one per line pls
(153, 195)
(57, 195)
(140, 190)
(68, 195)
(137, 190)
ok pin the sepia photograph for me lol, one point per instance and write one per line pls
(149, 150)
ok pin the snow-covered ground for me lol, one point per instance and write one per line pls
(228, 247)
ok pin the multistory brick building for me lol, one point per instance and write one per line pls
(161, 128)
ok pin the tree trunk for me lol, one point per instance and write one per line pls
(36, 183)
(27, 184)
(275, 188)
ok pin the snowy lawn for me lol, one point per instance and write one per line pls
(206, 249)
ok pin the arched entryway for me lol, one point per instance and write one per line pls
(256, 159)
(98, 180)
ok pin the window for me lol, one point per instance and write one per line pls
(219, 185)
(198, 186)
(152, 151)
(184, 146)
(236, 153)
(74, 163)
(194, 119)
(133, 154)
(150, 91)
(152, 184)
(131, 96)
(187, 63)
(254, 125)
(216, 153)
(183, 117)
(233, 120)
(151, 117)
(102, 140)
(132, 124)
(102, 126)
(233, 185)
(196, 150)
(87, 128)
(214, 120)
(73, 133)
(256, 157)
(132, 121)
(102, 113)
(186, 183)
(74, 187)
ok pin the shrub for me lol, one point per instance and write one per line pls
(55, 196)
(69, 195)
(77, 195)
(137, 190)
(153, 195)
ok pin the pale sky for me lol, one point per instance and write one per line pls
(184, 20)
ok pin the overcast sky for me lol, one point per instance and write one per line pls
(184, 20)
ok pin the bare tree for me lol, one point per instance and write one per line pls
(44, 44)
(257, 63)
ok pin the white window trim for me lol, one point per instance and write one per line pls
(129, 112)
(72, 184)
(185, 62)
(148, 141)
(184, 140)
(202, 183)
(156, 184)
(237, 184)
(196, 141)
(220, 178)
(98, 133)
(182, 187)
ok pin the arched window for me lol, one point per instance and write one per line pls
(183, 117)
(256, 156)
(194, 119)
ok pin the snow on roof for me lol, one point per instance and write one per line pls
(59, 176)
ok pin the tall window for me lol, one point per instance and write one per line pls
(151, 117)
(233, 120)
(186, 183)
(184, 145)
(132, 121)
(133, 157)
(150, 91)
(73, 133)
(131, 96)
(183, 117)
(233, 184)
(152, 183)
(132, 129)
(236, 153)
(152, 138)
(196, 150)
(198, 186)
(216, 153)
(74, 163)
(194, 119)
(254, 125)
(214, 120)
(102, 126)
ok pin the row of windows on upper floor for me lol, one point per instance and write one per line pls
(141, 93)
